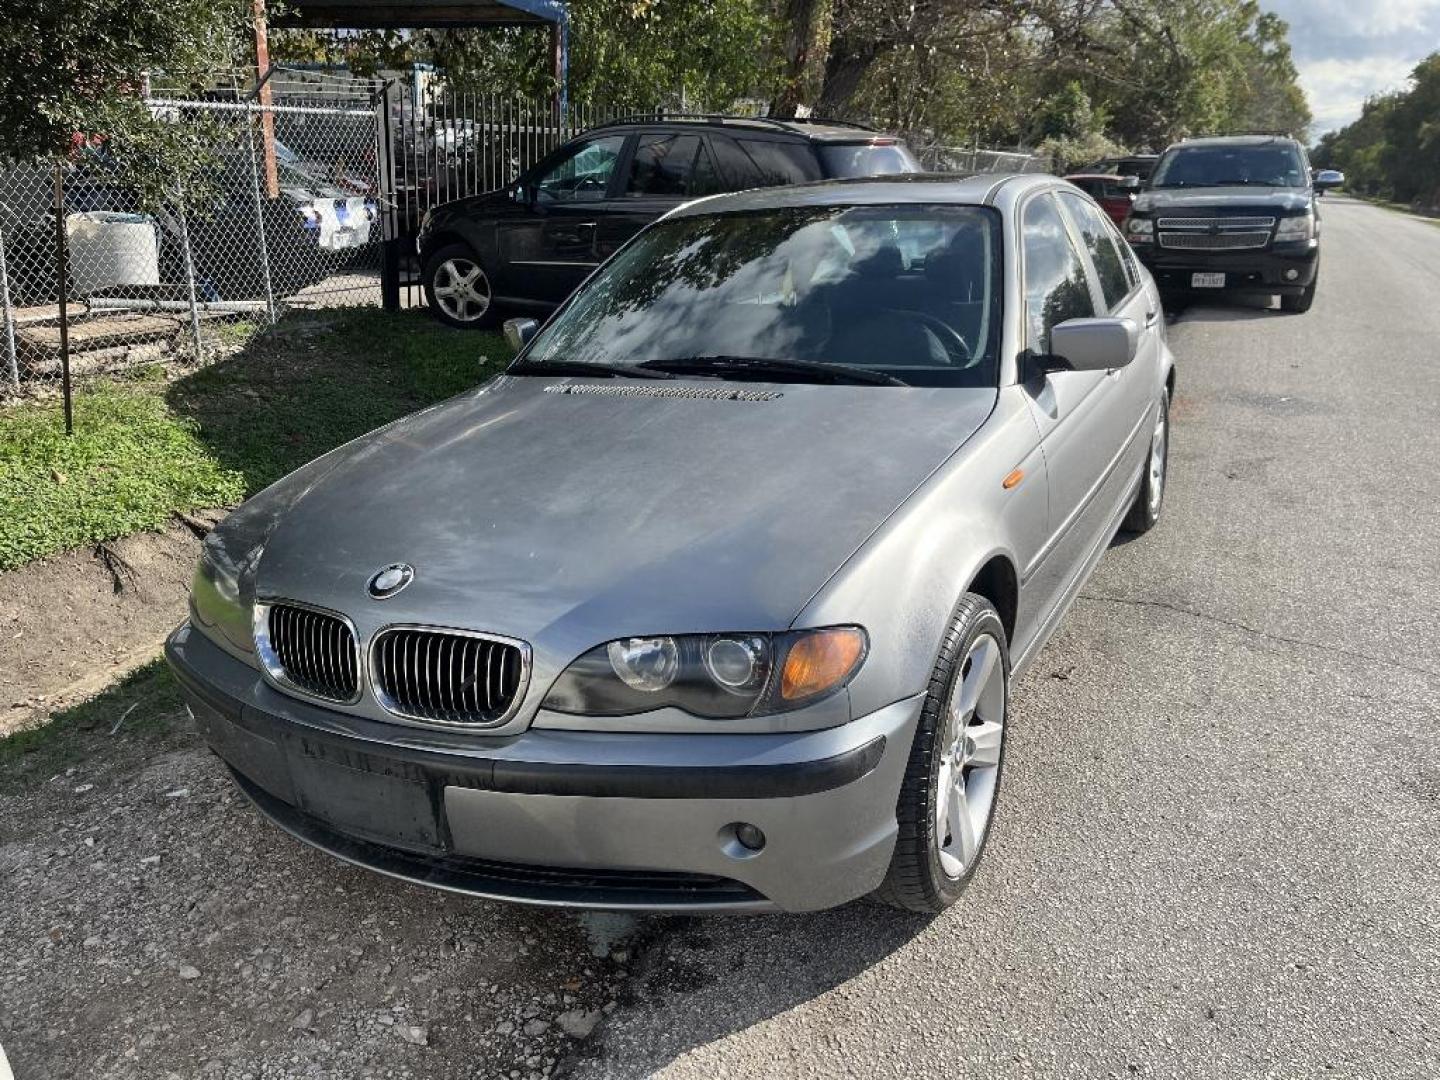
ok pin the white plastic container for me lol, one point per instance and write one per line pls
(109, 249)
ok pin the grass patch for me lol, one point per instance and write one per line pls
(148, 700)
(145, 450)
(129, 466)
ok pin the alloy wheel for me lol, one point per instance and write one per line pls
(1159, 452)
(971, 748)
(461, 289)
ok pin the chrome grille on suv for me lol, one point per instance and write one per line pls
(309, 650)
(1225, 241)
(448, 676)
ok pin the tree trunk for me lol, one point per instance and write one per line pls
(802, 19)
(846, 66)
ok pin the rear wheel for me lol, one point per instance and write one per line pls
(1145, 513)
(457, 288)
(947, 798)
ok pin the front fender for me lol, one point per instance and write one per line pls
(903, 582)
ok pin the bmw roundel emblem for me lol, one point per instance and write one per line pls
(390, 580)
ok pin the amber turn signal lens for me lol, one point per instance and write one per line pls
(821, 661)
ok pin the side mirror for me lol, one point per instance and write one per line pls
(1092, 344)
(1326, 179)
(518, 332)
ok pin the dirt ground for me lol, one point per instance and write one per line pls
(71, 625)
(166, 931)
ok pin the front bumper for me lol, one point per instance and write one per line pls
(567, 818)
(1267, 271)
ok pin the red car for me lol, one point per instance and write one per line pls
(1113, 193)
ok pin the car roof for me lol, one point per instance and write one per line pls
(815, 129)
(912, 188)
(1234, 140)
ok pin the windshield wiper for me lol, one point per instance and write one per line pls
(760, 366)
(582, 367)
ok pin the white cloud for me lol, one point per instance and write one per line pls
(1337, 88)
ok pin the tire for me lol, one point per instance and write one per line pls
(1150, 499)
(458, 289)
(1300, 303)
(930, 867)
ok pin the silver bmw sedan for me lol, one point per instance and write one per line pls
(713, 600)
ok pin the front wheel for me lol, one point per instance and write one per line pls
(1145, 513)
(458, 289)
(947, 798)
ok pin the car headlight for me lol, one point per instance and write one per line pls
(1140, 230)
(218, 605)
(711, 675)
(1299, 227)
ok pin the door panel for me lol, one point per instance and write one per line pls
(1081, 415)
(548, 250)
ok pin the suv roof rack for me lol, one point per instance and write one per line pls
(721, 119)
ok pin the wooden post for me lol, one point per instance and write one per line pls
(267, 118)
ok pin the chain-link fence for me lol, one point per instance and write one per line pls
(286, 213)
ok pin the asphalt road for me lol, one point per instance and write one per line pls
(1217, 846)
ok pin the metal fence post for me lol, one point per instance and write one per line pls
(10, 353)
(190, 277)
(260, 216)
(62, 275)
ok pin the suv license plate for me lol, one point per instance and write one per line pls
(1207, 281)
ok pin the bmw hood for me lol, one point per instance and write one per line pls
(568, 512)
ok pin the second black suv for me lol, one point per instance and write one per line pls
(528, 245)
(1231, 214)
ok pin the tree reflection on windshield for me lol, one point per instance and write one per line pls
(907, 290)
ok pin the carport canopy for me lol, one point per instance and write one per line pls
(421, 14)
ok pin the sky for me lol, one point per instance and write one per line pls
(1347, 50)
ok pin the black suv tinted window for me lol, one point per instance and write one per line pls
(781, 162)
(671, 166)
(1056, 287)
(1114, 282)
(866, 159)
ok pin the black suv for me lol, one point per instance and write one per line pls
(1234, 214)
(528, 245)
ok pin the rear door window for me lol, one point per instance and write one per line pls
(1095, 231)
(663, 166)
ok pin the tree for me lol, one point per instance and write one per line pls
(72, 74)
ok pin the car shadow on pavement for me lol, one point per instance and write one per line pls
(701, 979)
(1230, 309)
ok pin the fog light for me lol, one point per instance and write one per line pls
(750, 836)
(1291, 274)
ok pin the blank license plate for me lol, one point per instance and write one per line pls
(1207, 281)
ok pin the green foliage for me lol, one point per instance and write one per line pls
(144, 451)
(129, 466)
(622, 52)
(72, 74)
(1393, 150)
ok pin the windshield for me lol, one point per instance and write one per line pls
(1267, 164)
(903, 293)
(866, 159)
